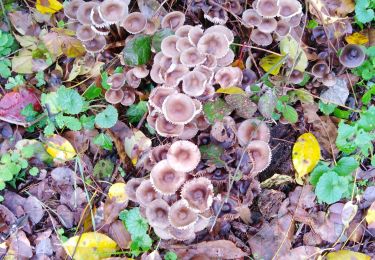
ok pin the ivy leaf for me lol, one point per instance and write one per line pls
(138, 50)
(134, 222)
(69, 101)
(216, 110)
(345, 166)
(158, 37)
(331, 187)
(107, 118)
(103, 141)
(136, 111)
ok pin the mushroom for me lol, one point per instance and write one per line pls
(190, 130)
(156, 73)
(134, 23)
(167, 129)
(163, 233)
(207, 71)
(114, 96)
(267, 25)
(145, 193)
(191, 57)
(174, 74)
(183, 43)
(113, 11)
(198, 192)
(178, 109)
(228, 76)
(201, 122)
(168, 46)
(234, 6)
(268, 8)
(248, 78)
(282, 28)
(131, 187)
(158, 95)
(260, 155)
(195, 34)
(100, 31)
(193, 83)
(289, 8)
(116, 80)
(132, 80)
(320, 69)
(157, 213)
(70, 10)
(183, 156)
(183, 31)
(151, 27)
(213, 43)
(140, 71)
(250, 18)
(95, 45)
(85, 33)
(253, 129)
(84, 12)
(181, 216)
(173, 20)
(165, 179)
(129, 97)
(352, 56)
(295, 20)
(159, 153)
(296, 77)
(216, 16)
(260, 38)
(329, 79)
(182, 234)
(227, 59)
(211, 62)
(95, 18)
(222, 30)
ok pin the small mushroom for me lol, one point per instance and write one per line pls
(183, 156)
(267, 8)
(114, 96)
(158, 95)
(260, 155)
(140, 72)
(190, 131)
(195, 34)
(228, 76)
(352, 56)
(174, 74)
(95, 45)
(95, 18)
(193, 83)
(129, 97)
(113, 11)
(85, 33)
(289, 8)
(260, 38)
(131, 79)
(198, 192)
(191, 57)
(253, 129)
(226, 60)
(185, 234)
(179, 109)
(282, 28)
(169, 46)
(183, 43)
(295, 20)
(216, 16)
(250, 18)
(320, 69)
(165, 179)
(267, 25)
(234, 6)
(146, 193)
(213, 43)
(183, 31)
(329, 79)
(296, 77)
(116, 80)
(167, 129)
(210, 63)
(207, 71)
(181, 216)
(222, 30)
(84, 12)
(151, 27)
(70, 10)
(163, 233)
(131, 187)
(156, 73)
(159, 153)
(134, 23)
(249, 77)
(157, 213)
(173, 20)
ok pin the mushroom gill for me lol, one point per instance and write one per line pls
(260, 155)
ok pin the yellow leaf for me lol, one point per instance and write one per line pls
(231, 90)
(273, 62)
(91, 245)
(305, 155)
(289, 46)
(356, 38)
(48, 6)
(60, 148)
(347, 255)
(117, 192)
(370, 217)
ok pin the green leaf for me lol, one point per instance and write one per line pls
(72, 123)
(326, 108)
(317, 173)
(103, 169)
(366, 98)
(34, 171)
(88, 122)
(345, 166)
(346, 134)
(140, 244)
(311, 24)
(212, 153)
(216, 110)
(158, 37)
(170, 256)
(18, 80)
(331, 187)
(363, 14)
(5, 71)
(341, 113)
(27, 152)
(69, 101)
(103, 141)
(290, 114)
(29, 113)
(92, 92)
(134, 222)
(137, 51)
(40, 78)
(105, 84)
(136, 111)
(367, 120)
(107, 118)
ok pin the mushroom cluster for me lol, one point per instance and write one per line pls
(271, 16)
(176, 204)
(188, 66)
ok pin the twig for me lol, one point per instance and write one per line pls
(257, 48)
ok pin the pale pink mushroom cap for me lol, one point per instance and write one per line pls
(183, 156)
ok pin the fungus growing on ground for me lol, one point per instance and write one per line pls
(268, 8)
(181, 216)
(95, 45)
(282, 28)
(179, 109)
(113, 11)
(167, 129)
(296, 77)
(134, 23)
(131, 187)
(320, 69)
(222, 30)
(329, 79)
(159, 153)
(260, 38)
(84, 12)
(251, 18)
(253, 129)
(226, 60)
(114, 96)
(289, 8)
(173, 20)
(183, 31)
(213, 43)
(352, 56)
(183, 43)
(228, 76)
(71, 8)
(267, 25)
(116, 80)
(195, 34)
(146, 193)
(183, 156)
(85, 33)
(193, 83)
(129, 97)
(260, 155)
(157, 213)
(158, 95)
(191, 57)
(198, 193)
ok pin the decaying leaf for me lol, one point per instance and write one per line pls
(322, 12)
(348, 213)
(267, 104)
(90, 245)
(271, 63)
(136, 144)
(370, 217)
(305, 155)
(60, 42)
(289, 46)
(59, 148)
(347, 255)
(242, 104)
(117, 192)
(231, 90)
(48, 6)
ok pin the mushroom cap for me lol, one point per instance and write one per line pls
(190, 131)
(210, 63)
(156, 73)
(114, 96)
(201, 122)
(113, 11)
(166, 128)
(208, 72)
(152, 116)
(134, 23)
(178, 109)
(173, 20)
(216, 16)
(140, 72)
(213, 43)
(157, 213)
(208, 93)
(169, 46)
(95, 45)
(165, 62)
(228, 76)
(183, 43)
(320, 69)
(296, 77)
(146, 193)
(174, 74)
(329, 79)
(249, 77)
(129, 97)
(268, 8)
(260, 155)
(163, 233)
(195, 34)
(70, 10)
(250, 18)
(191, 57)
(183, 31)
(260, 38)
(165, 179)
(95, 18)
(234, 6)
(289, 8)
(282, 28)
(267, 25)
(116, 80)
(352, 56)
(158, 95)
(193, 83)
(181, 216)
(151, 27)
(198, 192)
(222, 30)
(159, 153)
(131, 187)
(227, 59)
(85, 33)
(182, 234)
(295, 20)
(253, 129)
(84, 12)
(183, 156)
(131, 79)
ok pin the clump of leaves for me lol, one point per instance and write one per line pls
(364, 10)
(287, 111)
(367, 70)
(334, 183)
(7, 45)
(14, 82)
(137, 226)
(136, 111)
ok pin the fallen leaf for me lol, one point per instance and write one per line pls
(238, 63)
(33, 209)
(267, 104)
(136, 144)
(48, 6)
(370, 217)
(242, 104)
(289, 46)
(117, 192)
(231, 90)
(319, 9)
(347, 255)
(90, 245)
(24, 23)
(59, 148)
(60, 42)
(356, 38)
(273, 62)
(348, 213)
(305, 155)
(337, 94)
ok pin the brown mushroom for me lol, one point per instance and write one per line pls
(181, 216)
(267, 25)
(250, 18)
(329, 79)
(134, 23)
(129, 97)
(146, 193)
(70, 10)
(198, 192)
(114, 96)
(260, 155)
(131, 79)
(352, 56)
(213, 43)
(85, 33)
(282, 28)
(191, 57)
(131, 187)
(260, 38)
(167, 129)
(252, 129)
(159, 153)
(193, 83)
(190, 131)
(84, 12)
(268, 8)
(157, 213)
(173, 20)
(320, 69)
(296, 77)
(116, 81)
(178, 109)
(158, 95)
(113, 11)
(289, 8)
(95, 45)
(95, 18)
(168, 46)
(228, 77)
(183, 156)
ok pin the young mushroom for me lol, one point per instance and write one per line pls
(167, 129)
(173, 20)
(168, 46)
(195, 34)
(250, 18)
(253, 129)
(213, 43)
(193, 83)
(198, 192)
(84, 12)
(329, 79)
(268, 8)
(146, 193)
(228, 76)
(183, 31)
(159, 153)
(320, 69)
(116, 81)
(191, 57)
(134, 23)
(227, 59)
(131, 187)
(71, 8)
(113, 11)
(282, 28)
(183, 156)
(85, 33)
(95, 45)
(289, 8)
(114, 96)
(179, 109)
(181, 216)
(158, 95)
(260, 155)
(267, 25)
(296, 77)
(352, 56)
(129, 97)
(157, 213)
(260, 38)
